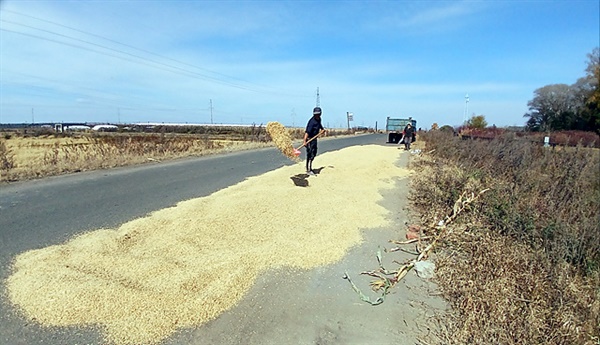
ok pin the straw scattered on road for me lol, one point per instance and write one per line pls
(183, 266)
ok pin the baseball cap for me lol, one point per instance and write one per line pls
(317, 111)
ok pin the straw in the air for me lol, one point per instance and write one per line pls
(282, 139)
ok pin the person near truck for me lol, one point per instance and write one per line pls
(407, 136)
(313, 129)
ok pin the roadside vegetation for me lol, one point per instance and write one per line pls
(522, 264)
(37, 152)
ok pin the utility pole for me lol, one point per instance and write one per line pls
(211, 114)
(32, 117)
(318, 98)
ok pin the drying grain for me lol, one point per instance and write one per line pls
(185, 265)
(282, 139)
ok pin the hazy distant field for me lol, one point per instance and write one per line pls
(26, 157)
(30, 155)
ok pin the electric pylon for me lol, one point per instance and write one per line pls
(318, 98)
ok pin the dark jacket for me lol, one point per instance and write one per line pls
(313, 127)
(409, 132)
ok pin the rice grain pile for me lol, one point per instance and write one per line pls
(183, 266)
(282, 139)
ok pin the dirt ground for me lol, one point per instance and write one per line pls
(261, 262)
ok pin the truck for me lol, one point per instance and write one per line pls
(395, 126)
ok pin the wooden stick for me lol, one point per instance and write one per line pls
(410, 241)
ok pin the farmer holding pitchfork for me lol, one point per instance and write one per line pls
(314, 128)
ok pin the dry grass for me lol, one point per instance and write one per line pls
(23, 158)
(503, 292)
(185, 265)
(522, 265)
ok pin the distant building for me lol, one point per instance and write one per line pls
(76, 128)
(105, 128)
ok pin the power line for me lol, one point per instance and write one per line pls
(124, 44)
(185, 71)
(105, 97)
(144, 61)
(97, 99)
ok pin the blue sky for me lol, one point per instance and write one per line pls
(260, 61)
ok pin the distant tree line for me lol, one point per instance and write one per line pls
(559, 107)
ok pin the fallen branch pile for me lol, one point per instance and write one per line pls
(387, 279)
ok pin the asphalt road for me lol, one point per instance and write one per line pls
(40, 213)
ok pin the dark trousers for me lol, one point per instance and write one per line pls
(407, 141)
(311, 153)
(311, 150)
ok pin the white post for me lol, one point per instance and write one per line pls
(348, 119)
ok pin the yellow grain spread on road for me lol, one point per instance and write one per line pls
(183, 266)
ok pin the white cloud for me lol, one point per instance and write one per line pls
(449, 12)
(426, 17)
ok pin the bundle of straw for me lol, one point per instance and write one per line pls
(282, 139)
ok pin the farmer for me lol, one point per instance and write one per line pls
(408, 136)
(313, 129)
